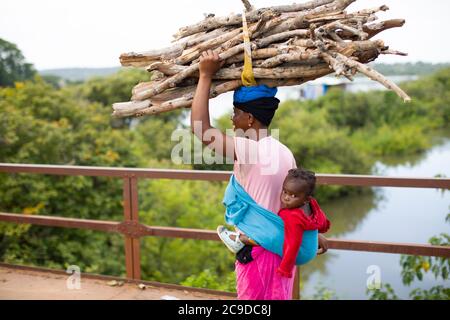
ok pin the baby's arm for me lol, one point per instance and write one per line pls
(323, 244)
(246, 240)
(293, 235)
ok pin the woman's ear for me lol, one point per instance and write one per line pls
(251, 119)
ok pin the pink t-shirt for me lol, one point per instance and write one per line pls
(261, 167)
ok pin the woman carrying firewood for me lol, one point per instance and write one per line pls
(261, 164)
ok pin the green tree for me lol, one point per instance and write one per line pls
(13, 67)
(43, 125)
(184, 204)
(116, 88)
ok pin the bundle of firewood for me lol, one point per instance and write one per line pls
(290, 45)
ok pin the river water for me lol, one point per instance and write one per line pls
(408, 215)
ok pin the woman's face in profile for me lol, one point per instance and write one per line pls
(239, 119)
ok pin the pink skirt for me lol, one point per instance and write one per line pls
(258, 280)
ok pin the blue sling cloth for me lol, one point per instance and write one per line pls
(262, 225)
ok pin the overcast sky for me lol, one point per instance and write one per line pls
(93, 33)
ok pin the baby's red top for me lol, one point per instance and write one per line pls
(295, 223)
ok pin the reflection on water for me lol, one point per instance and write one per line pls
(409, 161)
(346, 215)
(410, 215)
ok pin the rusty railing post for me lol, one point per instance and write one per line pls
(296, 288)
(131, 213)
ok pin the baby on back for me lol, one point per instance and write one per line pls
(299, 211)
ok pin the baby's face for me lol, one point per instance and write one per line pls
(293, 195)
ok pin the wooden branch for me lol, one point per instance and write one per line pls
(166, 53)
(297, 56)
(374, 75)
(170, 94)
(371, 11)
(193, 53)
(290, 44)
(172, 81)
(339, 67)
(299, 7)
(265, 53)
(143, 59)
(300, 20)
(139, 63)
(263, 73)
(375, 28)
(130, 108)
(364, 51)
(394, 52)
(169, 69)
(334, 26)
(252, 16)
(361, 45)
(261, 43)
(238, 39)
(247, 5)
(202, 37)
(262, 25)
(185, 102)
(326, 17)
(252, 28)
(290, 72)
(307, 43)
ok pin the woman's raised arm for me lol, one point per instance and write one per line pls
(201, 126)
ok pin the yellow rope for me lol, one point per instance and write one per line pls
(248, 79)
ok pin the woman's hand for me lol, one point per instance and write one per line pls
(323, 245)
(210, 63)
